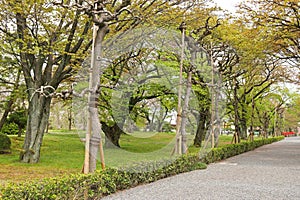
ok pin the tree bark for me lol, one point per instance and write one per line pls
(112, 134)
(237, 133)
(163, 112)
(265, 126)
(11, 101)
(6, 111)
(201, 130)
(70, 117)
(184, 117)
(243, 121)
(20, 131)
(38, 115)
(93, 136)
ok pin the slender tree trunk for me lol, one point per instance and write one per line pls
(243, 122)
(38, 116)
(201, 128)
(237, 133)
(163, 112)
(6, 111)
(184, 117)
(10, 101)
(152, 121)
(93, 136)
(217, 126)
(70, 117)
(47, 128)
(20, 132)
(265, 126)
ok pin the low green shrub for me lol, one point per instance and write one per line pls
(230, 150)
(102, 183)
(10, 129)
(5, 143)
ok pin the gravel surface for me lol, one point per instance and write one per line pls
(269, 172)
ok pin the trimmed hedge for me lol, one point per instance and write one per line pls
(102, 183)
(230, 150)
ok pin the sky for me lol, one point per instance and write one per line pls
(228, 4)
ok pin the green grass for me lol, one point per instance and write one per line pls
(62, 153)
(145, 142)
(141, 147)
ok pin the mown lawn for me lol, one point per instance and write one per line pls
(63, 152)
(60, 154)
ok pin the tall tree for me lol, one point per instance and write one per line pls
(47, 53)
(281, 22)
(254, 72)
(116, 15)
(289, 114)
(129, 83)
(10, 81)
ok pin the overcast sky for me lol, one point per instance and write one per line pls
(228, 4)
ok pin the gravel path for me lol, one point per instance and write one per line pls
(269, 172)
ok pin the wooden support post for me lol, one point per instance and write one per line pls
(178, 145)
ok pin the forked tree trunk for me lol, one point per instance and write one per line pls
(38, 116)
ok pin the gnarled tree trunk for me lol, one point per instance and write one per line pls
(38, 115)
(112, 134)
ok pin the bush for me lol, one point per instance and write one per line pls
(10, 129)
(101, 183)
(19, 117)
(5, 143)
(167, 127)
(230, 150)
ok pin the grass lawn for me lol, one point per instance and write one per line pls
(62, 153)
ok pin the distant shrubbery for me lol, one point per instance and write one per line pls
(99, 184)
(16, 123)
(230, 150)
(10, 129)
(4, 144)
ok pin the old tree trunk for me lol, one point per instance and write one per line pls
(38, 115)
(46, 60)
